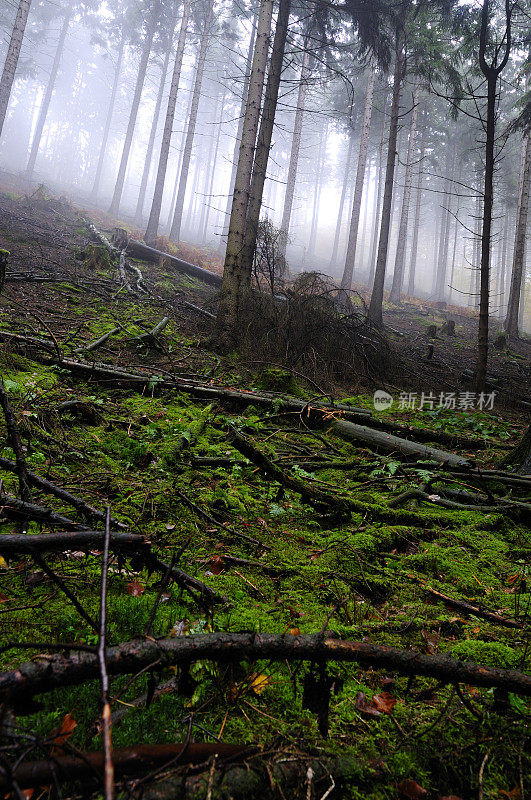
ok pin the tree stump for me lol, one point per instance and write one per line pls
(449, 327)
(500, 342)
(432, 331)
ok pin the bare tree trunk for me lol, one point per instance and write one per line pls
(454, 250)
(179, 165)
(239, 130)
(317, 191)
(416, 223)
(348, 271)
(13, 53)
(375, 305)
(139, 212)
(491, 72)
(156, 205)
(175, 231)
(265, 134)
(141, 76)
(400, 257)
(110, 110)
(45, 105)
(346, 180)
(295, 145)
(442, 262)
(376, 220)
(236, 278)
(511, 320)
(502, 275)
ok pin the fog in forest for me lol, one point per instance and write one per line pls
(86, 117)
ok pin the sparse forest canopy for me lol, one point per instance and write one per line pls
(265, 452)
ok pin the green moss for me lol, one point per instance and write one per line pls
(492, 654)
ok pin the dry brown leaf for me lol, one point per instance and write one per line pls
(411, 789)
(64, 732)
(384, 701)
(135, 588)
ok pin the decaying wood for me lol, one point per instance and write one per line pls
(46, 673)
(13, 508)
(127, 761)
(193, 585)
(14, 440)
(88, 348)
(468, 608)
(513, 507)
(22, 544)
(146, 253)
(378, 440)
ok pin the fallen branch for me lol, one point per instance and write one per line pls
(151, 336)
(146, 253)
(13, 508)
(58, 671)
(51, 488)
(467, 608)
(519, 509)
(189, 583)
(88, 348)
(127, 761)
(22, 544)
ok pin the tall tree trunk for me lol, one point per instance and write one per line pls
(13, 53)
(454, 251)
(110, 110)
(265, 134)
(156, 205)
(175, 230)
(376, 220)
(139, 212)
(45, 105)
(295, 145)
(400, 257)
(237, 279)
(511, 320)
(239, 130)
(375, 305)
(442, 261)
(210, 188)
(502, 275)
(141, 76)
(416, 223)
(348, 271)
(491, 73)
(346, 180)
(317, 190)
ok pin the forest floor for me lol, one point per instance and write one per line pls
(314, 539)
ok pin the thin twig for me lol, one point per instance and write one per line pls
(106, 706)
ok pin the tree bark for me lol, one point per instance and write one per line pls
(59, 671)
(107, 128)
(416, 223)
(236, 279)
(400, 257)
(348, 271)
(213, 167)
(156, 205)
(139, 212)
(265, 134)
(511, 320)
(13, 53)
(175, 231)
(237, 142)
(442, 260)
(491, 73)
(141, 76)
(295, 145)
(375, 305)
(22, 544)
(376, 221)
(45, 105)
(346, 180)
(321, 158)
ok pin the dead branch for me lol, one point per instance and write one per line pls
(58, 671)
(127, 761)
(51, 488)
(13, 508)
(104, 678)
(16, 444)
(21, 544)
(468, 608)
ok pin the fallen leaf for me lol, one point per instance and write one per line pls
(366, 706)
(514, 794)
(294, 631)
(450, 797)
(411, 789)
(384, 701)
(3, 563)
(135, 588)
(216, 564)
(259, 683)
(28, 793)
(64, 732)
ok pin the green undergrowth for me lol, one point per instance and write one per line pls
(362, 575)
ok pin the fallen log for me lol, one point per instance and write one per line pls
(88, 348)
(47, 673)
(13, 508)
(468, 608)
(521, 510)
(51, 488)
(146, 253)
(21, 544)
(427, 435)
(127, 761)
(379, 440)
